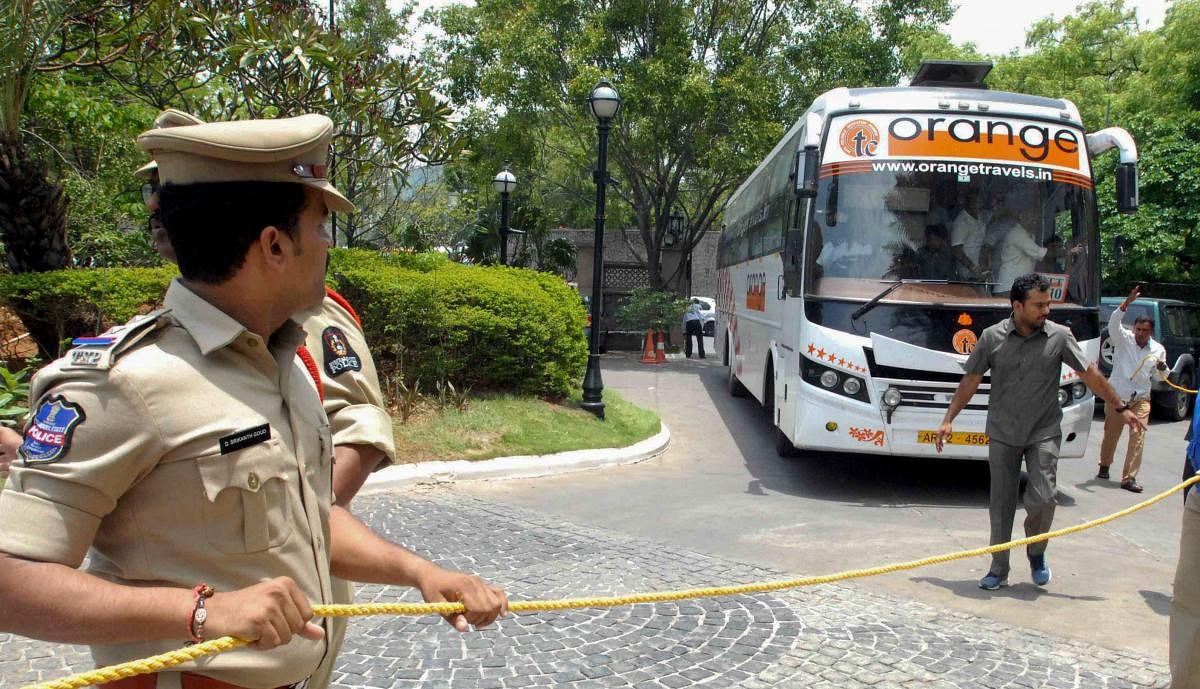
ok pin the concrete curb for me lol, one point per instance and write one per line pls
(523, 466)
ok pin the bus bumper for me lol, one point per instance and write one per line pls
(829, 422)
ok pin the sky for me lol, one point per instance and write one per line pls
(994, 30)
(997, 31)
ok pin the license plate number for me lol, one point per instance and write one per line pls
(928, 438)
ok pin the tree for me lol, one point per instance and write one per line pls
(708, 87)
(226, 59)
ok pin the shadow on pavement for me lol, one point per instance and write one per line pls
(1019, 590)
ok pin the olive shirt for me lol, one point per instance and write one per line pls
(353, 399)
(1026, 373)
(199, 453)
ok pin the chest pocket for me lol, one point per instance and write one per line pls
(247, 501)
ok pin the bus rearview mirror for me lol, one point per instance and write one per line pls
(807, 162)
(1127, 187)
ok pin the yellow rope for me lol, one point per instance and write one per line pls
(225, 643)
(1177, 387)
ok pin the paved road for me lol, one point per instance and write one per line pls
(721, 489)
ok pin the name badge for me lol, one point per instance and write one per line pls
(246, 438)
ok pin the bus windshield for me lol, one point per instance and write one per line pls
(950, 236)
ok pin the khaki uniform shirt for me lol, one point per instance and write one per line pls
(1026, 373)
(197, 453)
(353, 399)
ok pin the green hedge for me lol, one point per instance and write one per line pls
(431, 319)
(425, 317)
(59, 305)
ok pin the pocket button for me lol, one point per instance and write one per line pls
(252, 481)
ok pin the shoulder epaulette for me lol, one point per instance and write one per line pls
(99, 352)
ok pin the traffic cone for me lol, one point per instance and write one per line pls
(648, 348)
(660, 349)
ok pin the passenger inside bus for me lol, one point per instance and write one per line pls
(934, 259)
(967, 234)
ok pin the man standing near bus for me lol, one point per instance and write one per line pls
(1025, 354)
(1136, 358)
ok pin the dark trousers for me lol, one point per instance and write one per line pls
(1041, 464)
(693, 328)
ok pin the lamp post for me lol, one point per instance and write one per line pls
(504, 182)
(604, 104)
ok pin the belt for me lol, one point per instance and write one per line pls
(187, 680)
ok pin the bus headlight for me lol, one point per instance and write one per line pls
(829, 379)
(1078, 391)
(892, 397)
(851, 386)
(1064, 397)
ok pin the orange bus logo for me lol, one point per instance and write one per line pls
(859, 139)
(964, 341)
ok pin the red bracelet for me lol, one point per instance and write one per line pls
(196, 620)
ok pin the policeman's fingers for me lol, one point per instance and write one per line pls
(484, 602)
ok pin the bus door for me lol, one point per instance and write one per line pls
(788, 292)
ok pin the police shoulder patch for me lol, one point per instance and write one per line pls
(100, 352)
(338, 355)
(48, 435)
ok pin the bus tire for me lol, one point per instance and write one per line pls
(783, 446)
(736, 389)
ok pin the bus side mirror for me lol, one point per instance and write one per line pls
(1127, 187)
(807, 164)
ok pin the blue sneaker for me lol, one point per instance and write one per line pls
(1039, 570)
(992, 582)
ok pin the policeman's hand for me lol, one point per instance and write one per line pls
(484, 602)
(268, 614)
(944, 432)
(1133, 294)
(1133, 421)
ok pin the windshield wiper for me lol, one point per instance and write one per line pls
(858, 313)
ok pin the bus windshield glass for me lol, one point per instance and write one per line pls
(954, 226)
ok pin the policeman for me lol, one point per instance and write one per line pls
(188, 448)
(346, 375)
(336, 353)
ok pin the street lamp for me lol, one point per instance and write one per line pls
(675, 227)
(504, 182)
(604, 104)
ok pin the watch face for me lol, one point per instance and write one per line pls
(201, 615)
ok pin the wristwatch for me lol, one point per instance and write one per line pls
(1120, 408)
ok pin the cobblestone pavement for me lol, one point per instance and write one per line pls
(827, 636)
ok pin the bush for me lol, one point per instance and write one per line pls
(645, 309)
(492, 328)
(59, 305)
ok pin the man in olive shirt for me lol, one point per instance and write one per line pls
(1025, 355)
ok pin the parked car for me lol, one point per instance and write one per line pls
(708, 314)
(1177, 328)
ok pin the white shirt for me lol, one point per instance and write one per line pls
(1133, 369)
(1018, 255)
(968, 232)
(692, 313)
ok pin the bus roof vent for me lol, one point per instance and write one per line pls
(952, 73)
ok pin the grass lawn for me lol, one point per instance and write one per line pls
(504, 425)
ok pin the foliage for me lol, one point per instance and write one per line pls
(14, 396)
(84, 302)
(708, 89)
(485, 327)
(225, 59)
(646, 308)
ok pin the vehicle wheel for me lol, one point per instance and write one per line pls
(784, 447)
(1178, 403)
(709, 329)
(736, 389)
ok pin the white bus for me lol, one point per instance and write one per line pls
(861, 260)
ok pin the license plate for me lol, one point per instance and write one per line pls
(928, 438)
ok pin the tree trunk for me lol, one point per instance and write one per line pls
(33, 213)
